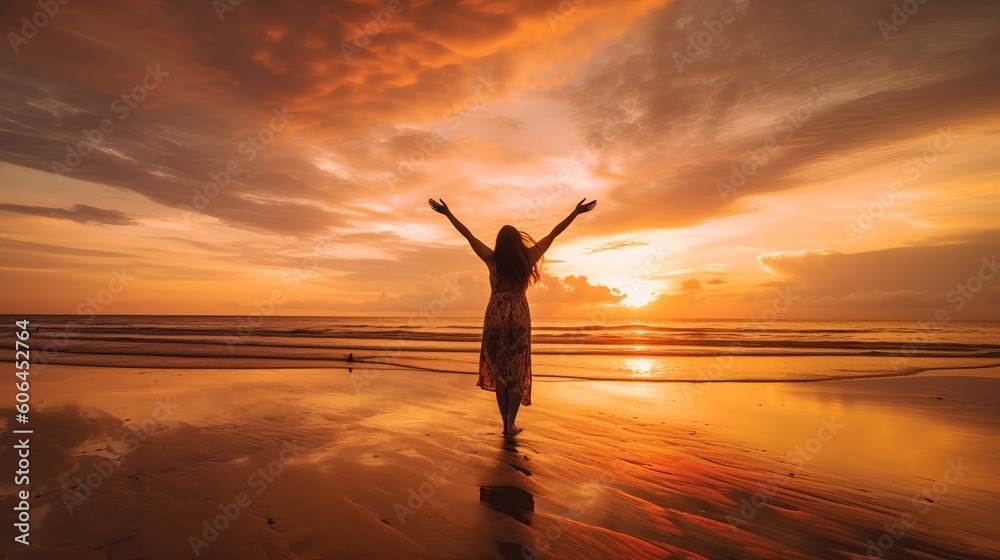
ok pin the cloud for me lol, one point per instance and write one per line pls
(28, 248)
(468, 293)
(225, 75)
(925, 277)
(783, 96)
(691, 285)
(573, 291)
(80, 213)
(615, 245)
(509, 123)
(933, 269)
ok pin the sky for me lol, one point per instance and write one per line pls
(750, 159)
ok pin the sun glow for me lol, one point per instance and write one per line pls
(637, 294)
(640, 367)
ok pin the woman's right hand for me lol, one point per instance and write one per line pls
(583, 207)
(439, 207)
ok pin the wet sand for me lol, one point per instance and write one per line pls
(303, 463)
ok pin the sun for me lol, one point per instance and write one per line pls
(637, 294)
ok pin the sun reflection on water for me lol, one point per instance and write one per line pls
(642, 368)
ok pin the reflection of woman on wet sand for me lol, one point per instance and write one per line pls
(505, 355)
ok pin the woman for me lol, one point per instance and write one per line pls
(505, 355)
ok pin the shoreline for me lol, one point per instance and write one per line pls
(606, 468)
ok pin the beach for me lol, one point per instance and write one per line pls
(311, 463)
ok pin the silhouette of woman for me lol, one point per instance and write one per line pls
(505, 355)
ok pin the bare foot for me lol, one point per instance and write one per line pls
(514, 430)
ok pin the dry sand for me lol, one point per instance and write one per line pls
(136, 463)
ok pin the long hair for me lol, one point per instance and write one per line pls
(517, 258)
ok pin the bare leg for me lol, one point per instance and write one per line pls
(502, 404)
(513, 403)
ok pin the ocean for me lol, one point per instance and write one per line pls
(706, 350)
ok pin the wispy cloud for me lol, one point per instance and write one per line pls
(616, 245)
(78, 213)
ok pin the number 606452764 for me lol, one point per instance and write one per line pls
(22, 363)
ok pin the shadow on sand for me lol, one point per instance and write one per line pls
(509, 499)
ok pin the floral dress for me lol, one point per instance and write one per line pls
(505, 355)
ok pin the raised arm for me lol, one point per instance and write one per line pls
(581, 208)
(478, 246)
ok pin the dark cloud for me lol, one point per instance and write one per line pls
(922, 277)
(80, 213)
(931, 269)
